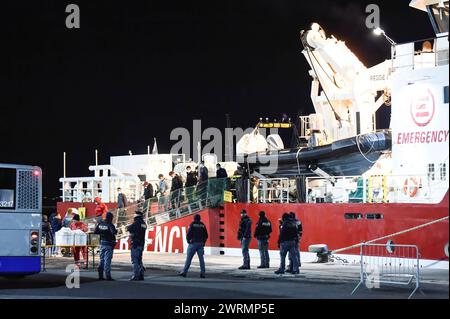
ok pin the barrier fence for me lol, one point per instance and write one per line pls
(389, 264)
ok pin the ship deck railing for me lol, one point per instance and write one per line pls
(420, 54)
(379, 188)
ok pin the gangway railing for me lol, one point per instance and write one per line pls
(179, 203)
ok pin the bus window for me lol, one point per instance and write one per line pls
(7, 188)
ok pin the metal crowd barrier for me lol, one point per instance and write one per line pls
(389, 264)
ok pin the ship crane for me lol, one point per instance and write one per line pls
(345, 93)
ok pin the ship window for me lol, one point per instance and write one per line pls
(442, 171)
(374, 216)
(353, 216)
(431, 171)
(439, 17)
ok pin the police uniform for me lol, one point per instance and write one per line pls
(107, 232)
(263, 230)
(287, 241)
(196, 237)
(299, 225)
(137, 232)
(245, 236)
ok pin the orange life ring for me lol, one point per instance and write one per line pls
(411, 192)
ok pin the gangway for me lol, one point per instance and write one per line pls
(177, 204)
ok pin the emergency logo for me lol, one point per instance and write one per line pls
(422, 106)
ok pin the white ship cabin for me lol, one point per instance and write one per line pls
(128, 172)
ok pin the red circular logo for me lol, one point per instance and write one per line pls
(422, 106)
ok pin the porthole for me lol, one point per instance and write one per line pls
(390, 246)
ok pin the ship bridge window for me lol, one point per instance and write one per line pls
(374, 216)
(439, 16)
(353, 216)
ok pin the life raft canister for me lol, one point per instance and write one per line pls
(409, 190)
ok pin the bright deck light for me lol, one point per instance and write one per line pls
(378, 31)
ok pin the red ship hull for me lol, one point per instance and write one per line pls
(326, 224)
(322, 223)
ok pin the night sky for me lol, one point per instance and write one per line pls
(137, 69)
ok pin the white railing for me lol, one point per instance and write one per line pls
(374, 189)
(273, 190)
(416, 55)
(389, 264)
(85, 189)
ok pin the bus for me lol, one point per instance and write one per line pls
(20, 219)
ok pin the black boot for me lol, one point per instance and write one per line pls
(100, 275)
(108, 277)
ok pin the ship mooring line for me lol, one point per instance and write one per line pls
(391, 235)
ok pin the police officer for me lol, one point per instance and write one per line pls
(297, 244)
(262, 234)
(245, 236)
(286, 241)
(107, 233)
(196, 238)
(137, 234)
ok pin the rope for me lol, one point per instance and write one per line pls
(391, 235)
(360, 151)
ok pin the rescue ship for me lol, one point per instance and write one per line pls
(347, 181)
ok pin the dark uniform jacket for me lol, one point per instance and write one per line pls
(137, 232)
(197, 233)
(245, 228)
(263, 229)
(299, 229)
(288, 231)
(107, 232)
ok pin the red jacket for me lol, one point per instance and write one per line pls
(101, 210)
(79, 225)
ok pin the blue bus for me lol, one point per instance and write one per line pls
(20, 219)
